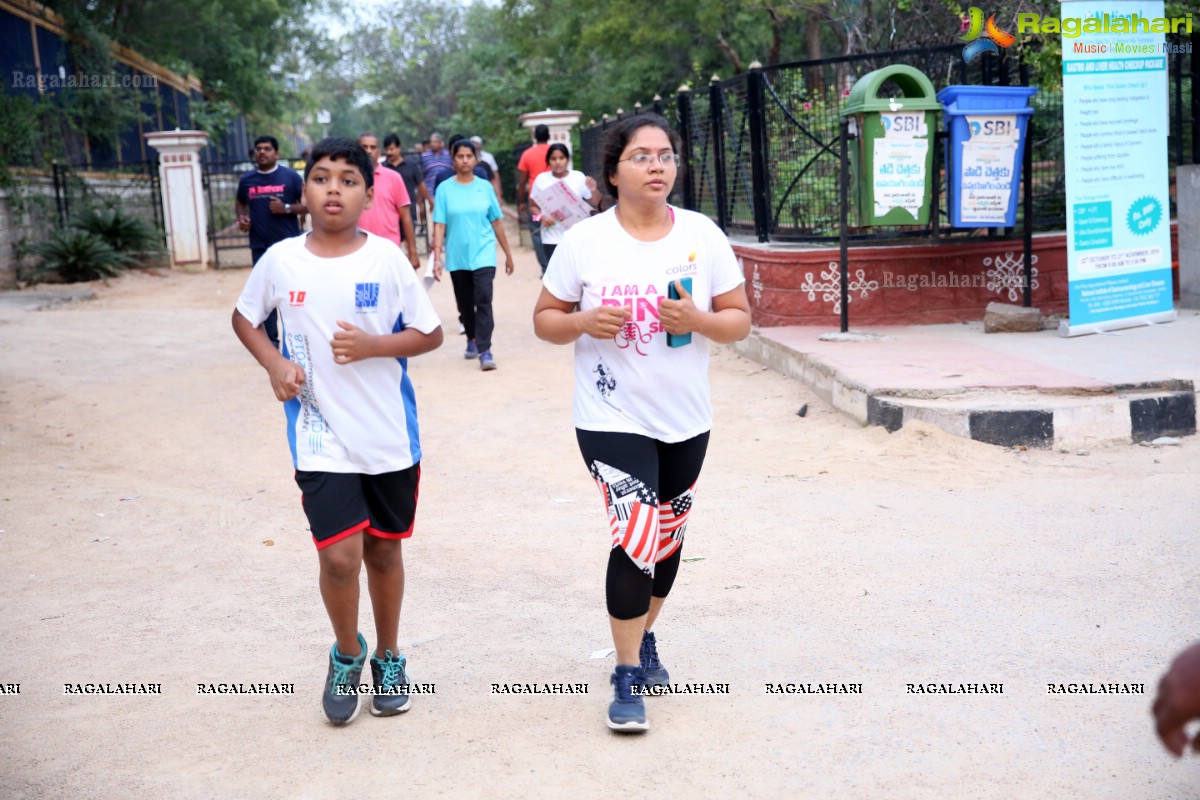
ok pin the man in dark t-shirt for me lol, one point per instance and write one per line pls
(410, 170)
(269, 203)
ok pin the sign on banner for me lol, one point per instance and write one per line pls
(900, 162)
(1115, 145)
(989, 161)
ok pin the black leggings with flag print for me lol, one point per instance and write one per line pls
(647, 487)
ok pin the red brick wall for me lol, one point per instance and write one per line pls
(905, 284)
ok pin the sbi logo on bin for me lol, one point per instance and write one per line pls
(983, 37)
(904, 123)
(1000, 128)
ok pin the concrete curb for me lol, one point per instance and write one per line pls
(1024, 416)
(33, 300)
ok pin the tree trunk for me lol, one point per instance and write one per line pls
(815, 77)
(776, 35)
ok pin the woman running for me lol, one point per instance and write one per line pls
(642, 409)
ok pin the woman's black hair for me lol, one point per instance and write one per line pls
(557, 147)
(617, 138)
(460, 144)
(337, 149)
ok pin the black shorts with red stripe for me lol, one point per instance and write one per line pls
(341, 504)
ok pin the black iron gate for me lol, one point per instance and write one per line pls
(230, 246)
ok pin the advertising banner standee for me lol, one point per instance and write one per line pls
(1115, 146)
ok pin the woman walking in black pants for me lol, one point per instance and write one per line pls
(467, 221)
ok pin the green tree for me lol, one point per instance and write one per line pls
(244, 52)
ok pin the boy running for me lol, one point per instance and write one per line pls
(351, 312)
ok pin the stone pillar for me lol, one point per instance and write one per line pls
(182, 188)
(1187, 198)
(560, 124)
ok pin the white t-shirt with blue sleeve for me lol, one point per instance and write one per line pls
(359, 417)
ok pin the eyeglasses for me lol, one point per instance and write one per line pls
(644, 160)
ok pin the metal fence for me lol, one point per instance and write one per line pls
(760, 154)
(133, 189)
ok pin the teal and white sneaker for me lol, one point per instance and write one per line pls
(340, 698)
(391, 685)
(627, 712)
(656, 674)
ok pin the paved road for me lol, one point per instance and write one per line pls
(151, 534)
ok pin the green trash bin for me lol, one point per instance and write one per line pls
(891, 160)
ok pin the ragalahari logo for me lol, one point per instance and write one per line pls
(983, 37)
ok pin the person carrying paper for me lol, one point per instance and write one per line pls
(575, 185)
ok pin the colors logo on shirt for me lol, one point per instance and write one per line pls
(296, 298)
(689, 268)
(366, 297)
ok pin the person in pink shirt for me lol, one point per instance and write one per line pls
(389, 215)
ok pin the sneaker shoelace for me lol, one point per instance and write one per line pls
(393, 670)
(649, 654)
(624, 684)
(344, 674)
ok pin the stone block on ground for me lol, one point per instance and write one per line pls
(1008, 318)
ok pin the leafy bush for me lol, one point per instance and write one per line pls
(75, 255)
(124, 233)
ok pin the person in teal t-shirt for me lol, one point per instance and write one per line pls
(468, 222)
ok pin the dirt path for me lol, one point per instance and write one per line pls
(151, 533)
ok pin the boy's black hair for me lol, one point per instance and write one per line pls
(541, 133)
(271, 140)
(618, 136)
(340, 149)
(557, 147)
(391, 139)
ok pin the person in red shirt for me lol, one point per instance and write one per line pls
(532, 164)
(389, 214)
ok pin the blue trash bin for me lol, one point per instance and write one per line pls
(987, 126)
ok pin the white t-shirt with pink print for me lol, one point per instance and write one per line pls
(636, 383)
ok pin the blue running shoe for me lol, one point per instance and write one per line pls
(340, 699)
(656, 674)
(472, 351)
(627, 712)
(486, 362)
(391, 685)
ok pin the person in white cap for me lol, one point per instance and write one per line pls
(490, 160)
